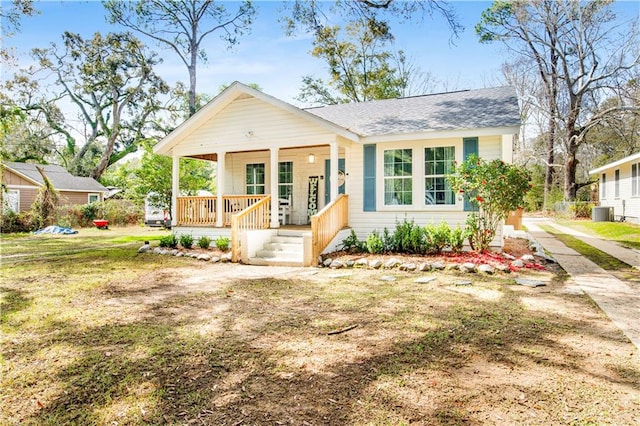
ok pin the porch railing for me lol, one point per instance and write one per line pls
(255, 216)
(201, 211)
(326, 224)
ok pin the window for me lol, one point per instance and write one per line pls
(285, 180)
(11, 201)
(255, 179)
(398, 179)
(94, 198)
(438, 163)
(635, 180)
(603, 186)
(616, 183)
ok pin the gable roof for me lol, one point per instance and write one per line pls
(467, 109)
(235, 91)
(60, 178)
(613, 164)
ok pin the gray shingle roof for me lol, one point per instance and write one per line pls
(468, 109)
(60, 178)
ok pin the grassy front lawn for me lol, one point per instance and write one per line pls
(627, 234)
(94, 333)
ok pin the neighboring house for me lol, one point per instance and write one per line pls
(23, 180)
(619, 184)
(361, 166)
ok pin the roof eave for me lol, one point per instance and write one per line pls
(615, 163)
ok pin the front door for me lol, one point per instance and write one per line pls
(327, 180)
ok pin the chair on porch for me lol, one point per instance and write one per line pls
(284, 210)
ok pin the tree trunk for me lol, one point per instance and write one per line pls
(570, 166)
(548, 178)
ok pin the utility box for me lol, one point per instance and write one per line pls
(602, 214)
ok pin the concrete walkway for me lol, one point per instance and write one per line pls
(618, 300)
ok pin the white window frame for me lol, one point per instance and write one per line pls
(448, 168)
(393, 178)
(93, 194)
(255, 185)
(285, 189)
(603, 186)
(616, 183)
(635, 180)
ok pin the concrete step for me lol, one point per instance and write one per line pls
(287, 239)
(285, 254)
(274, 261)
(278, 246)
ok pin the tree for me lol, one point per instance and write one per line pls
(359, 68)
(154, 177)
(110, 82)
(182, 25)
(582, 54)
(494, 188)
(43, 209)
(311, 15)
(10, 15)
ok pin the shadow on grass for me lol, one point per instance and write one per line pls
(12, 301)
(230, 356)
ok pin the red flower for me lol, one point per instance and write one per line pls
(480, 199)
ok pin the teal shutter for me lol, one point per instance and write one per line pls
(469, 147)
(369, 187)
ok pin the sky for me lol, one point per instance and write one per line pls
(277, 63)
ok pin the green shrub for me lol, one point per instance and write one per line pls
(90, 211)
(204, 242)
(222, 243)
(388, 241)
(456, 239)
(352, 244)
(117, 212)
(374, 243)
(11, 222)
(409, 238)
(186, 241)
(437, 236)
(169, 241)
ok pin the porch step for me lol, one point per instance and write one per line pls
(284, 249)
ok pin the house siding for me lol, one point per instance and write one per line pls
(251, 124)
(631, 208)
(365, 222)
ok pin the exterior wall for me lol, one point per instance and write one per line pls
(235, 178)
(72, 197)
(201, 231)
(364, 222)
(625, 204)
(251, 124)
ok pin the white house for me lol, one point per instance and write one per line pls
(310, 173)
(619, 184)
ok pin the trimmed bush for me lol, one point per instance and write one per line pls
(456, 239)
(437, 236)
(204, 242)
(352, 244)
(169, 241)
(222, 243)
(374, 243)
(409, 238)
(186, 241)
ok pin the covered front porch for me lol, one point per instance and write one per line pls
(300, 187)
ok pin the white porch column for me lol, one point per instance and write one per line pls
(175, 188)
(220, 172)
(274, 188)
(333, 165)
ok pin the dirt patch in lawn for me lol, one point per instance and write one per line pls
(190, 342)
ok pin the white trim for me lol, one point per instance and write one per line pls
(620, 162)
(439, 134)
(57, 189)
(89, 194)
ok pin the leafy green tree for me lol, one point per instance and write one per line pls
(43, 209)
(494, 188)
(182, 25)
(154, 177)
(110, 82)
(360, 69)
